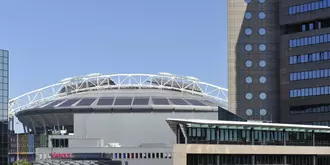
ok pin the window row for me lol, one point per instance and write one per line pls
(314, 109)
(253, 137)
(229, 159)
(305, 92)
(321, 123)
(307, 7)
(4, 60)
(312, 74)
(311, 40)
(140, 156)
(312, 57)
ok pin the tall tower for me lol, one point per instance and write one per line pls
(4, 107)
(253, 59)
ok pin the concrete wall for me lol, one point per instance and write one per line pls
(238, 72)
(131, 129)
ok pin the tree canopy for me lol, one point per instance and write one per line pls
(22, 162)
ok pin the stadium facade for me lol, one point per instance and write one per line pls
(123, 115)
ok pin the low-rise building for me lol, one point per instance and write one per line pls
(218, 142)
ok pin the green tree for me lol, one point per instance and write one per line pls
(22, 162)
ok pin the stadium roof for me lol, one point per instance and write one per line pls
(98, 82)
(249, 124)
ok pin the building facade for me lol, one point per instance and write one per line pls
(305, 61)
(279, 60)
(4, 106)
(216, 142)
(253, 61)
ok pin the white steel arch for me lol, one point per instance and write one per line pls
(117, 81)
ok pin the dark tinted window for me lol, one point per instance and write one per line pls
(179, 102)
(160, 101)
(141, 101)
(123, 101)
(51, 105)
(86, 102)
(195, 102)
(68, 103)
(105, 101)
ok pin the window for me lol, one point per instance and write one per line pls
(315, 91)
(314, 74)
(309, 40)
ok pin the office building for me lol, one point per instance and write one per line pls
(279, 60)
(4, 106)
(305, 61)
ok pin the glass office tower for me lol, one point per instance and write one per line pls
(4, 107)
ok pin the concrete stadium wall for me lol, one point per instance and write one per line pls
(131, 129)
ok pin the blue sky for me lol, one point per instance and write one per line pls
(52, 40)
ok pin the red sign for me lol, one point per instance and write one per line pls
(62, 155)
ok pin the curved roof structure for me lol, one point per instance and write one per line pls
(98, 86)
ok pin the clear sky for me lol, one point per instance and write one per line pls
(52, 40)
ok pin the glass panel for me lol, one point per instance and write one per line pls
(178, 102)
(123, 101)
(105, 101)
(86, 102)
(195, 102)
(141, 101)
(51, 105)
(160, 101)
(68, 103)
(209, 102)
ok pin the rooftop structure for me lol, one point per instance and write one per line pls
(99, 82)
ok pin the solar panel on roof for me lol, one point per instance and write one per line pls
(105, 101)
(160, 101)
(51, 105)
(179, 102)
(141, 101)
(86, 102)
(123, 101)
(195, 102)
(68, 103)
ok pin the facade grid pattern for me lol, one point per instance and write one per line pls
(4, 107)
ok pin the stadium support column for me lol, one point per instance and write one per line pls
(178, 137)
(12, 123)
(313, 133)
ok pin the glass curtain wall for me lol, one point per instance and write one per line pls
(4, 107)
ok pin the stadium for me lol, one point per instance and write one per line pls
(123, 115)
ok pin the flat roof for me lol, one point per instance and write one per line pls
(173, 122)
